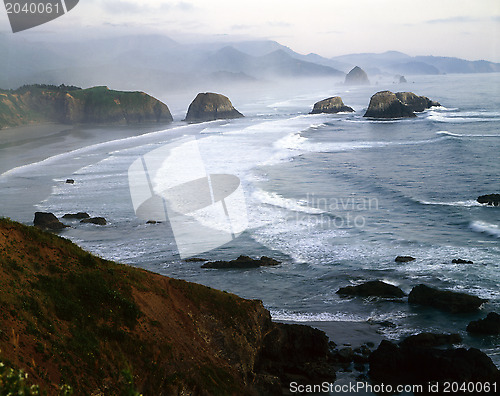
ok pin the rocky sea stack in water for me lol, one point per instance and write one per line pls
(415, 102)
(331, 105)
(211, 106)
(385, 104)
(490, 199)
(357, 76)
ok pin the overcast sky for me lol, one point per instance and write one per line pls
(461, 28)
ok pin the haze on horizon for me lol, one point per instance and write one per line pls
(458, 28)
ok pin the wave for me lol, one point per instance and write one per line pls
(486, 228)
(315, 317)
(465, 204)
(458, 135)
(275, 199)
(463, 116)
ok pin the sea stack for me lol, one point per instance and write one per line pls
(385, 104)
(211, 106)
(357, 76)
(415, 102)
(331, 105)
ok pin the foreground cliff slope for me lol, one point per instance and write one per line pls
(73, 105)
(67, 317)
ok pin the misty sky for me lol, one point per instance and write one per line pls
(461, 28)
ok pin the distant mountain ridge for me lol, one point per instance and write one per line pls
(152, 61)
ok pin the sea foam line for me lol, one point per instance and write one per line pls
(486, 228)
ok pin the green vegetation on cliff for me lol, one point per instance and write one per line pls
(98, 327)
(73, 105)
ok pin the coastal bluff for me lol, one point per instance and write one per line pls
(39, 103)
(104, 328)
(211, 106)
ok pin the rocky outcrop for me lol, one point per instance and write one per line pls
(95, 220)
(357, 76)
(415, 102)
(173, 337)
(47, 222)
(490, 199)
(461, 261)
(372, 289)
(415, 364)
(76, 216)
(445, 300)
(489, 325)
(211, 106)
(72, 105)
(331, 105)
(404, 259)
(242, 262)
(430, 340)
(385, 104)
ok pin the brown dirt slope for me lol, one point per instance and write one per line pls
(67, 317)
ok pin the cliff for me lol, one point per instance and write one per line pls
(71, 318)
(72, 105)
(211, 106)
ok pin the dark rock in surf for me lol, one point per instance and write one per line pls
(242, 262)
(462, 261)
(211, 106)
(445, 300)
(490, 199)
(357, 76)
(411, 364)
(76, 216)
(48, 222)
(430, 340)
(415, 102)
(404, 259)
(488, 326)
(385, 104)
(70, 181)
(95, 220)
(372, 289)
(331, 105)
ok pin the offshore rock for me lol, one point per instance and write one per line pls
(415, 102)
(490, 199)
(242, 262)
(47, 222)
(357, 76)
(404, 259)
(385, 104)
(445, 300)
(373, 288)
(489, 325)
(95, 220)
(331, 105)
(211, 106)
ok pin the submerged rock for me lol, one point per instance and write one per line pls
(489, 325)
(48, 222)
(242, 262)
(211, 106)
(404, 259)
(95, 220)
(461, 261)
(331, 105)
(490, 199)
(385, 104)
(77, 216)
(415, 102)
(412, 364)
(357, 76)
(372, 288)
(445, 300)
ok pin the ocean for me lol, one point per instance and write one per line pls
(335, 198)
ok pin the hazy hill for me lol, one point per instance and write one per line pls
(67, 317)
(73, 105)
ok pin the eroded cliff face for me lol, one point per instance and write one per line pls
(70, 105)
(86, 322)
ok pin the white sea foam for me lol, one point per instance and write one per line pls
(465, 204)
(284, 315)
(486, 228)
(458, 135)
(275, 199)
